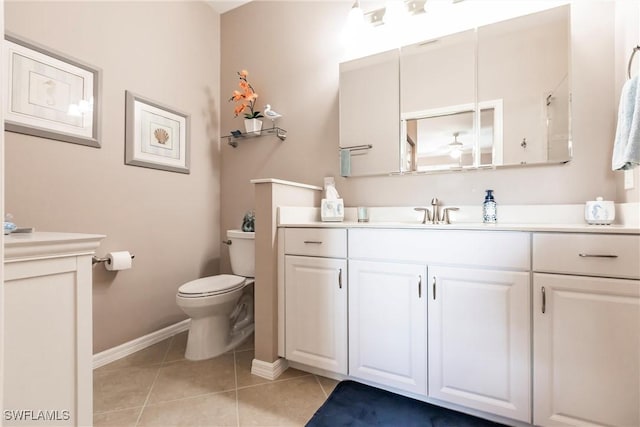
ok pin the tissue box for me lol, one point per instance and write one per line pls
(332, 210)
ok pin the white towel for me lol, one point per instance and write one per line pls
(626, 148)
(345, 162)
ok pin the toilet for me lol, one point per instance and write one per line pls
(221, 306)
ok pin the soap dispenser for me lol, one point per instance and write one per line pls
(489, 211)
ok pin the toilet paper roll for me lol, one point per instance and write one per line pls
(120, 260)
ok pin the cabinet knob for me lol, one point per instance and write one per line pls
(544, 300)
(420, 286)
(340, 278)
(434, 287)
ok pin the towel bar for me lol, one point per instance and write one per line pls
(357, 147)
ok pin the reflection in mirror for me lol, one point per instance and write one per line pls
(525, 62)
(369, 105)
(437, 103)
(441, 141)
(445, 138)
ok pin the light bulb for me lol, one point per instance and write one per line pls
(455, 153)
(355, 19)
(394, 12)
(354, 27)
(436, 6)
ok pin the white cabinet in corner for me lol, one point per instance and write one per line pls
(387, 324)
(586, 329)
(478, 339)
(586, 351)
(315, 298)
(48, 355)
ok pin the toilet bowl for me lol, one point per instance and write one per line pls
(221, 306)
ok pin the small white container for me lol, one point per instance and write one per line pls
(599, 212)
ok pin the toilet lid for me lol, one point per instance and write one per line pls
(212, 285)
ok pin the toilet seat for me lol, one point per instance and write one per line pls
(212, 285)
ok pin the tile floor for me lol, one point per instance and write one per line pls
(158, 387)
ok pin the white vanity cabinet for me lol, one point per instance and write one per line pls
(387, 324)
(538, 326)
(316, 298)
(586, 313)
(48, 351)
(479, 339)
(478, 324)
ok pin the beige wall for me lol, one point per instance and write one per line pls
(292, 50)
(165, 51)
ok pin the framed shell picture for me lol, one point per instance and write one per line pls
(156, 136)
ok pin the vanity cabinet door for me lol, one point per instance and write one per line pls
(586, 351)
(316, 312)
(479, 339)
(387, 324)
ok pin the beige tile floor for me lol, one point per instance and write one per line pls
(158, 387)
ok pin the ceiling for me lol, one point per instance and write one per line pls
(221, 6)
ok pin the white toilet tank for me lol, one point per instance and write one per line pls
(242, 252)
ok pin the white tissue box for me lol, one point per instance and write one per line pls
(332, 210)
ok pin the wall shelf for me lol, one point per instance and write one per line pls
(237, 136)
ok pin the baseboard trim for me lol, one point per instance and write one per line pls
(123, 350)
(269, 370)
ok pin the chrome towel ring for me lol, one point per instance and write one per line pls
(635, 49)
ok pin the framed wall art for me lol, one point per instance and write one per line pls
(156, 136)
(50, 95)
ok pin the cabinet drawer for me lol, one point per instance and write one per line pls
(587, 254)
(323, 242)
(499, 249)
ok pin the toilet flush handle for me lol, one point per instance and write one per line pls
(227, 242)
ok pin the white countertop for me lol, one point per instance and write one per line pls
(569, 220)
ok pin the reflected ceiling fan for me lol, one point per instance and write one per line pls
(455, 147)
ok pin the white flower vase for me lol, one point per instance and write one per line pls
(253, 126)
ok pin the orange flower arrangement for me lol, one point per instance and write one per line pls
(245, 98)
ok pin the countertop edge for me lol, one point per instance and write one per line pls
(20, 247)
(557, 228)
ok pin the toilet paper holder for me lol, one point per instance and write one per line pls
(95, 260)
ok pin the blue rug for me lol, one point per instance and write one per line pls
(358, 405)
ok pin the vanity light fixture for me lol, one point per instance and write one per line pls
(394, 11)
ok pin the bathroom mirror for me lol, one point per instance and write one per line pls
(494, 96)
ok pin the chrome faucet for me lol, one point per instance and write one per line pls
(432, 215)
(434, 210)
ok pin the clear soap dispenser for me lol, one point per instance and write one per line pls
(489, 211)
